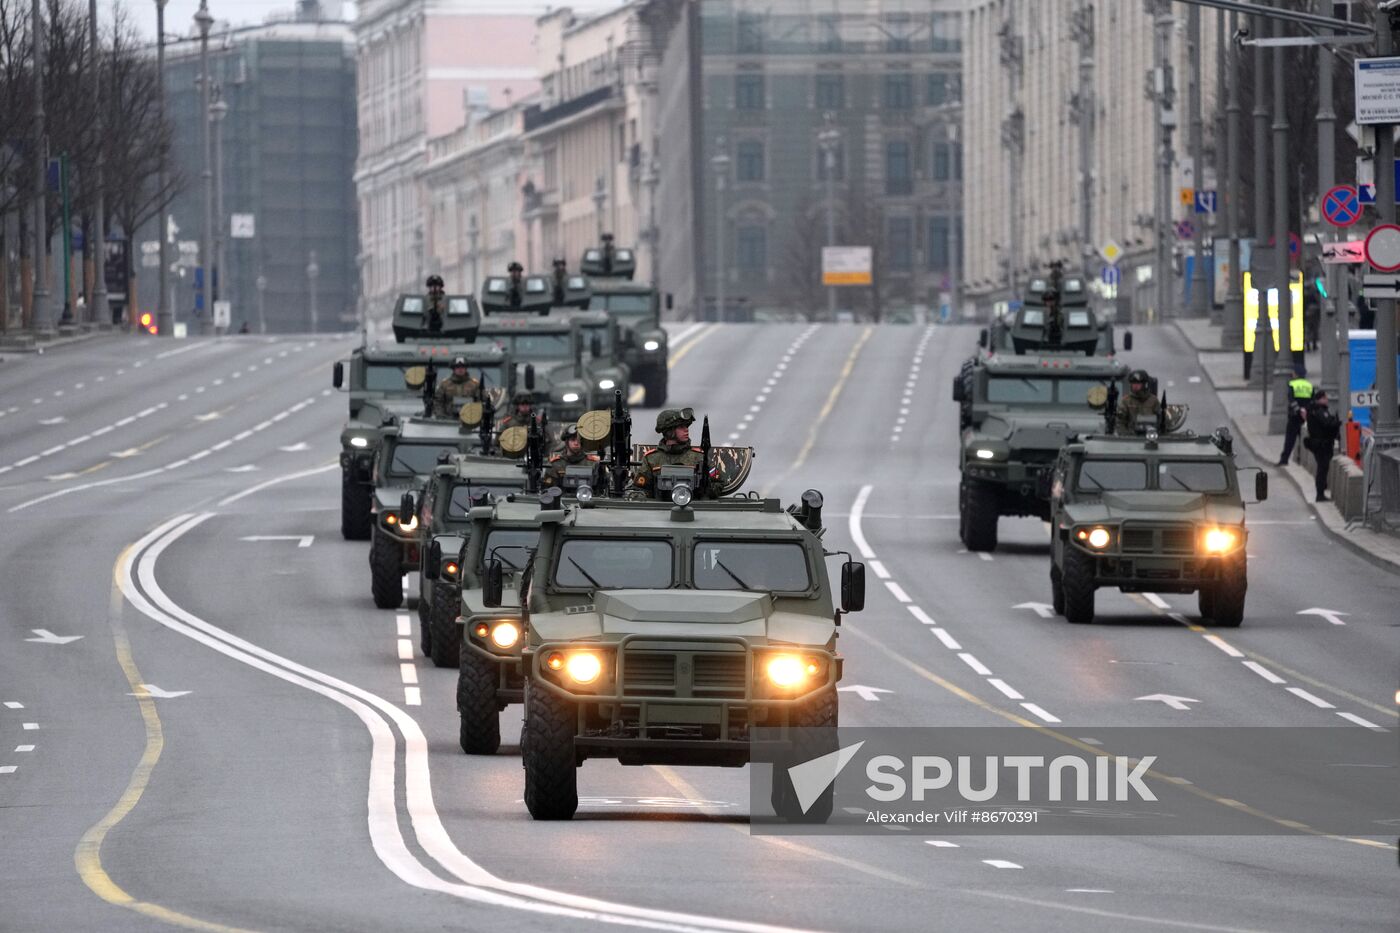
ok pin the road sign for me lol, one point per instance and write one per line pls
(1377, 90)
(1341, 207)
(242, 226)
(1185, 230)
(1381, 286)
(1383, 248)
(846, 265)
(1111, 275)
(1187, 196)
(150, 247)
(150, 261)
(223, 313)
(1366, 398)
(1110, 251)
(1350, 252)
(1205, 202)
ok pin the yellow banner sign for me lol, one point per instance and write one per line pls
(846, 278)
(1251, 313)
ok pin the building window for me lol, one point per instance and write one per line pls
(899, 169)
(831, 92)
(939, 236)
(829, 34)
(947, 161)
(897, 27)
(899, 91)
(943, 88)
(748, 166)
(899, 243)
(748, 34)
(944, 33)
(838, 163)
(748, 91)
(751, 249)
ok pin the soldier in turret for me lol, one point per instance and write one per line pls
(437, 304)
(571, 454)
(454, 389)
(674, 450)
(515, 292)
(523, 413)
(1139, 401)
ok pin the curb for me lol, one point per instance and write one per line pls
(58, 342)
(1306, 494)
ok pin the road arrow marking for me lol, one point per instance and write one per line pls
(1172, 701)
(1331, 615)
(49, 638)
(1044, 610)
(865, 693)
(151, 690)
(245, 468)
(295, 448)
(302, 540)
(52, 421)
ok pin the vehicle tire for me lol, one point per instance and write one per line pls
(386, 580)
(823, 712)
(480, 730)
(981, 517)
(1205, 601)
(654, 385)
(354, 509)
(425, 628)
(442, 623)
(547, 752)
(962, 513)
(1077, 583)
(1228, 602)
(1057, 590)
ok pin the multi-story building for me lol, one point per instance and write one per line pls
(287, 143)
(425, 66)
(1021, 72)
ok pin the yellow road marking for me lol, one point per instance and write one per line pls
(1321, 685)
(87, 858)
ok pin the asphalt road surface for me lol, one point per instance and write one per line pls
(207, 724)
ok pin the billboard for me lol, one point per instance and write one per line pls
(847, 265)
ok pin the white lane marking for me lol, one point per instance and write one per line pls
(104, 430)
(880, 570)
(1087, 891)
(80, 439)
(383, 818)
(31, 726)
(1036, 710)
(971, 661)
(409, 673)
(48, 422)
(941, 844)
(1156, 600)
(1264, 672)
(1317, 701)
(949, 641)
(24, 748)
(1331, 615)
(999, 863)
(897, 591)
(405, 649)
(8, 769)
(412, 696)
(404, 626)
(217, 382)
(26, 461)
(858, 536)
(13, 704)
(1224, 646)
(919, 614)
(1011, 692)
(985, 556)
(51, 451)
(1352, 717)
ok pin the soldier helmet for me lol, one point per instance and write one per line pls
(459, 363)
(1138, 375)
(560, 263)
(570, 433)
(523, 398)
(435, 281)
(674, 418)
(515, 267)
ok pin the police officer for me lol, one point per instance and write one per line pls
(515, 294)
(452, 390)
(571, 454)
(1139, 401)
(674, 450)
(1323, 428)
(437, 303)
(523, 413)
(1300, 393)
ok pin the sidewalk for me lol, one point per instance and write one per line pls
(15, 343)
(1243, 403)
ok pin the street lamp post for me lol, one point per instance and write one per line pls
(98, 247)
(262, 309)
(473, 232)
(165, 323)
(829, 140)
(203, 21)
(39, 314)
(720, 161)
(313, 272)
(600, 196)
(217, 111)
(651, 180)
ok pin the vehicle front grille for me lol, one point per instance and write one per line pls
(719, 675)
(647, 674)
(1137, 539)
(1158, 539)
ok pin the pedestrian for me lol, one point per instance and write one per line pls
(1300, 393)
(1323, 428)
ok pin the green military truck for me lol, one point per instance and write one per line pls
(1153, 512)
(663, 633)
(637, 306)
(409, 450)
(572, 358)
(1017, 412)
(444, 519)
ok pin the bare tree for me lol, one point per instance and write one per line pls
(800, 266)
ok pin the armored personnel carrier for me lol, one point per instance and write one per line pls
(572, 358)
(637, 306)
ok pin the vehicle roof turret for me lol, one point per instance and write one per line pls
(414, 319)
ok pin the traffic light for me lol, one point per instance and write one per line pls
(1321, 284)
(148, 323)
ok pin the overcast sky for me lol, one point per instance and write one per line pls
(179, 14)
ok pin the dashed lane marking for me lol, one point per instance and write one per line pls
(1035, 710)
(999, 863)
(1317, 701)
(404, 629)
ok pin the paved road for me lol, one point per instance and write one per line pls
(298, 781)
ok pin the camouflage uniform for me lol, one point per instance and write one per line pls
(1136, 404)
(560, 462)
(514, 419)
(669, 453)
(450, 392)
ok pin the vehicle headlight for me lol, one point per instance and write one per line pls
(1096, 538)
(584, 493)
(449, 569)
(583, 667)
(1219, 540)
(505, 634)
(570, 397)
(359, 442)
(410, 525)
(651, 345)
(680, 495)
(606, 383)
(985, 454)
(789, 670)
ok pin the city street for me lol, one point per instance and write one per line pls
(205, 722)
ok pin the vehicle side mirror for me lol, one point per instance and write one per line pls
(338, 374)
(1127, 340)
(493, 585)
(595, 346)
(959, 390)
(1261, 486)
(407, 507)
(982, 338)
(670, 301)
(432, 561)
(852, 586)
(530, 376)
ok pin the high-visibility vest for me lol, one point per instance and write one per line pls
(1302, 389)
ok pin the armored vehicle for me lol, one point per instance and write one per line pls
(534, 294)
(444, 520)
(637, 306)
(409, 450)
(1017, 411)
(571, 358)
(1054, 316)
(1154, 513)
(663, 632)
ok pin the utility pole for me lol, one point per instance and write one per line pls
(39, 315)
(720, 161)
(1258, 274)
(1232, 318)
(217, 112)
(313, 272)
(98, 312)
(1200, 279)
(1164, 96)
(165, 319)
(1326, 177)
(1283, 363)
(1013, 140)
(652, 179)
(203, 279)
(1387, 421)
(1083, 112)
(828, 140)
(1222, 184)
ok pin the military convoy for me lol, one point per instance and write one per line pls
(637, 306)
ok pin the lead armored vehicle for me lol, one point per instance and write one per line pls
(1151, 512)
(1054, 316)
(637, 306)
